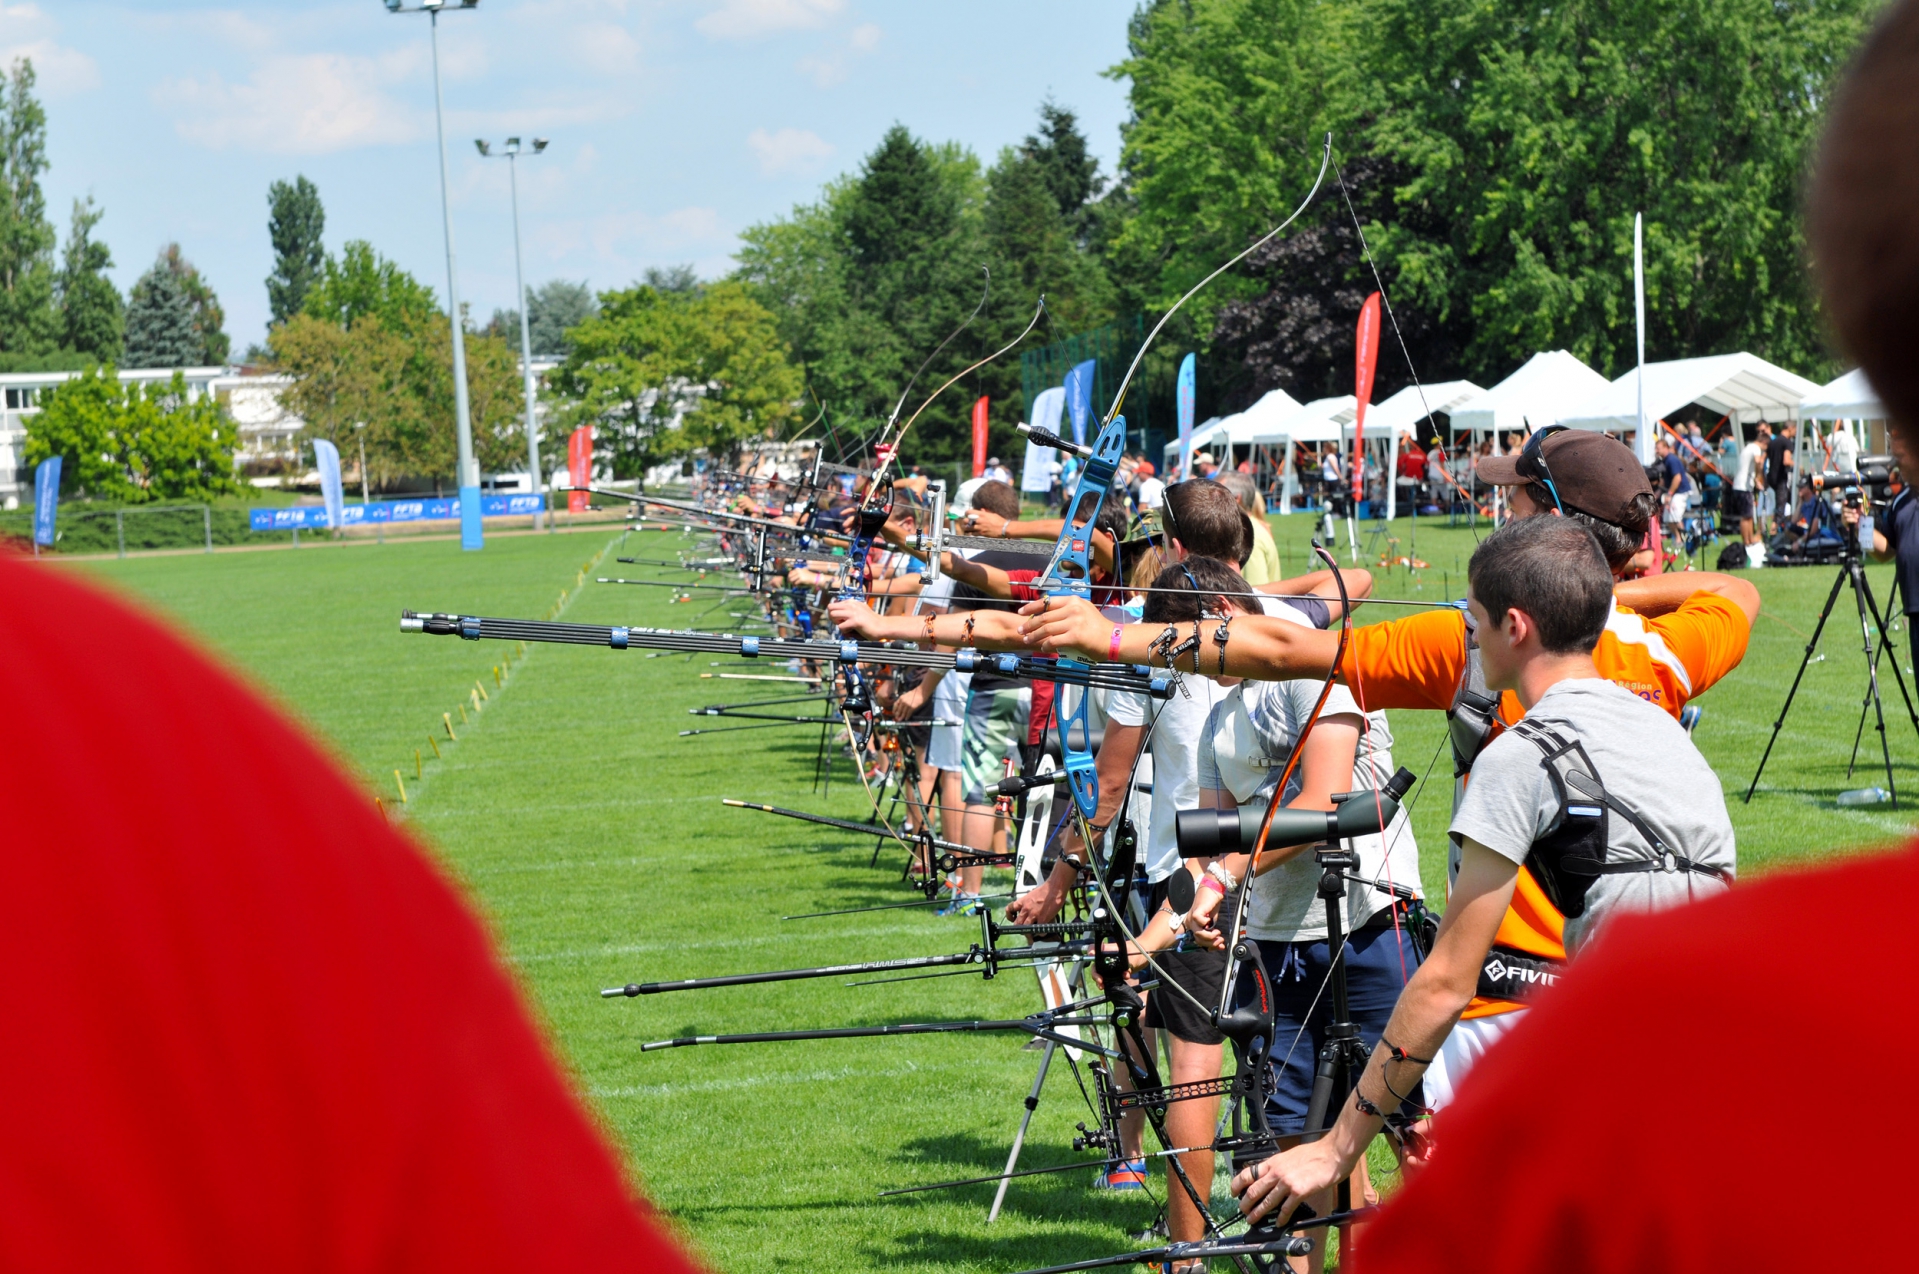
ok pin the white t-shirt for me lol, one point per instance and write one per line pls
(1845, 450)
(1247, 742)
(1151, 492)
(1751, 458)
(1175, 725)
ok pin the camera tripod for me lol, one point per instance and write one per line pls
(1851, 571)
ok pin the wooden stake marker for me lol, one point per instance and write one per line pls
(401, 784)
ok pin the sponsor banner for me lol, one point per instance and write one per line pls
(46, 499)
(301, 517)
(1184, 398)
(331, 494)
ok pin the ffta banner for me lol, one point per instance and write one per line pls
(979, 437)
(46, 500)
(579, 467)
(1184, 399)
(1365, 357)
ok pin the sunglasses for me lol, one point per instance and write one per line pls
(1533, 452)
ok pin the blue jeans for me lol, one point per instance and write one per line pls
(1378, 962)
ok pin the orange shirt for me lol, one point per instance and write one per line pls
(1418, 662)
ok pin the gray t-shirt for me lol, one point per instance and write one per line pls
(1645, 761)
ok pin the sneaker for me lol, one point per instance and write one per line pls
(962, 905)
(1128, 1174)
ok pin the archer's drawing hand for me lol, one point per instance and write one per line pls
(982, 522)
(1200, 920)
(908, 703)
(1277, 1186)
(1066, 626)
(1037, 906)
(853, 618)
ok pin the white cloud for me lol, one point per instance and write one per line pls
(27, 32)
(299, 105)
(832, 68)
(788, 151)
(744, 19)
(59, 70)
(606, 47)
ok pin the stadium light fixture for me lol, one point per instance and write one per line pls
(510, 151)
(471, 536)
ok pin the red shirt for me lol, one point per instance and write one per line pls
(1671, 1106)
(248, 1025)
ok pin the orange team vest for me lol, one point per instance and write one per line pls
(1422, 662)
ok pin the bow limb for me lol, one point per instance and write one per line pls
(1120, 397)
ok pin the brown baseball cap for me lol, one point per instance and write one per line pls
(1591, 473)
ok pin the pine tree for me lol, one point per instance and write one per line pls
(294, 223)
(209, 320)
(92, 315)
(1070, 169)
(160, 329)
(29, 324)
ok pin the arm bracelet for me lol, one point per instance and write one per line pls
(1220, 873)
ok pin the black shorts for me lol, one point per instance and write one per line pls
(1201, 973)
(1738, 505)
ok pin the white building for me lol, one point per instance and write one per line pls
(266, 429)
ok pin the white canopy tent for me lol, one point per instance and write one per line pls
(1531, 398)
(1398, 414)
(1742, 386)
(1851, 397)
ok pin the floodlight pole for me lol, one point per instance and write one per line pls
(526, 332)
(471, 537)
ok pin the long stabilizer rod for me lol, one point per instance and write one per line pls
(1137, 678)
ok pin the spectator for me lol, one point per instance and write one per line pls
(1845, 449)
(997, 472)
(1412, 468)
(1779, 474)
(1262, 565)
(1675, 485)
(266, 1032)
(1204, 466)
(1151, 489)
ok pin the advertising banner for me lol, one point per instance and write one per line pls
(1185, 401)
(302, 517)
(979, 437)
(1365, 357)
(579, 466)
(327, 457)
(1036, 475)
(1079, 397)
(46, 500)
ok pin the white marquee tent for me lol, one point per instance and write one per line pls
(1743, 386)
(1532, 397)
(1851, 397)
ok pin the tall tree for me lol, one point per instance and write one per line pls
(92, 315)
(209, 320)
(160, 329)
(1532, 132)
(361, 281)
(552, 308)
(134, 443)
(1067, 164)
(29, 324)
(295, 220)
(661, 373)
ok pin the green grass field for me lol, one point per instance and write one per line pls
(594, 840)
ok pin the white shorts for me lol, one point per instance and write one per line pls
(1463, 1048)
(949, 713)
(1676, 507)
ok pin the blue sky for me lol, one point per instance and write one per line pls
(674, 123)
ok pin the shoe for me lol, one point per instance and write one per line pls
(962, 905)
(1128, 1174)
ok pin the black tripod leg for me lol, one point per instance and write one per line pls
(1885, 641)
(1812, 644)
(1858, 575)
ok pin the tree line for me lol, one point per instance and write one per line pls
(1492, 154)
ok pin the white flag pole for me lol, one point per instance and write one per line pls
(1642, 439)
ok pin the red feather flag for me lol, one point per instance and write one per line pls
(979, 437)
(1365, 358)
